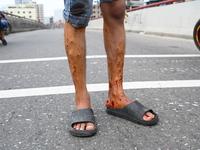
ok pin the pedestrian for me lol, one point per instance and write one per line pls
(77, 14)
(3, 25)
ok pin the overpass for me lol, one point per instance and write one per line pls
(171, 20)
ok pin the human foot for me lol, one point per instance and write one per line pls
(82, 123)
(83, 105)
(123, 102)
(135, 112)
(3, 41)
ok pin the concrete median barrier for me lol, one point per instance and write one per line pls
(21, 24)
(171, 20)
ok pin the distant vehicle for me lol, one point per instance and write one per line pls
(196, 34)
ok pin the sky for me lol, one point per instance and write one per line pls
(49, 6)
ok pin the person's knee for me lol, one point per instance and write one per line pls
(118, 15)
(114, 11)
(116, 18)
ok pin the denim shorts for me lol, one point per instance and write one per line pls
(1, 26)
(78, 12)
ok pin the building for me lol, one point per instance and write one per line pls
(40, 12)
(17, 2)
(23, 11)
(30, 10)
(96, 11)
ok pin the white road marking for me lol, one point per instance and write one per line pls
(97, 87)
(96, 56)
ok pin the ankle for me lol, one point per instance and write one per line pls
(82, 107)
(117, 102)
(83, 102)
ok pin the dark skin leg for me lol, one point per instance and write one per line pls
(2, 35)
(114, 39)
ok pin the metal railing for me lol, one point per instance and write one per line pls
(153, 5)
(147, 6)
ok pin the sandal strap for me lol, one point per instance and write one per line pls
(137, 109)
(82, 115)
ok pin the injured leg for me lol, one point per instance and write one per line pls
(114, 39)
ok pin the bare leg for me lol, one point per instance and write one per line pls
(76, 51)
(2, 35)
(114, 39)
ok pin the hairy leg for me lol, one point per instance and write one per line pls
(114, 40)
(75, 46)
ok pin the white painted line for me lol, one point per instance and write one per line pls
(95, 56)
(32, 60)
(160, 56)
(97, 87)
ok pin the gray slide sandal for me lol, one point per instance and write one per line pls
(82, 116)
(134, 112)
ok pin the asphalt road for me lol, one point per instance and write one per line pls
(36, 96)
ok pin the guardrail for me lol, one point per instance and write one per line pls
(154, 4)
(147, 6)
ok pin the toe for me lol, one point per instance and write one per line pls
(78, 126)
(148, 116)
(82, 126)
(74, 126)
(90, 126)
